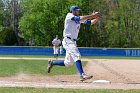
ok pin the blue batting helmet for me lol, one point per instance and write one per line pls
(73, 8)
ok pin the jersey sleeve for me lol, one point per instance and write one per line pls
(76, 19)
(73, 18)
(88, 22)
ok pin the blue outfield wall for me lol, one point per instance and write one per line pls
(84, 51)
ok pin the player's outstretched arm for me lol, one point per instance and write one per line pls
(94, 21)
(93, 15)
(91, 22)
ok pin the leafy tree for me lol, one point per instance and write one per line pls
(118, 27)
(1, 15)
(8, 37)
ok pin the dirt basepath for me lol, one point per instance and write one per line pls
(123, 74)
(116, 71)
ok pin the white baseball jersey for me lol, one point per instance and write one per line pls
(71, 28)
(56, 42)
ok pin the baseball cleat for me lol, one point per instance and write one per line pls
(85, 77)
(50, 65)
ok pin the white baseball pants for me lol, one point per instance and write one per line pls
(72, 52)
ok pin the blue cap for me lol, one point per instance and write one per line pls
(73, 8)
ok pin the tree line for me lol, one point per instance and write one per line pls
(38, 21)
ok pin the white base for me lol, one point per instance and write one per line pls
(101, 82)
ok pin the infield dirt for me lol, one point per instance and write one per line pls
(123, 74)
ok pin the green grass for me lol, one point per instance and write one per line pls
(28, 56)
(37, 67)
(43, 90)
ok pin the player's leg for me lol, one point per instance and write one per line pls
(67, 62)
(75, 54)
(55, 63)
(68, 59)
(56, 53)
(83, 76)
(54, 49)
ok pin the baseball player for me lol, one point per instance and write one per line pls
(70, 34)
(56, 44)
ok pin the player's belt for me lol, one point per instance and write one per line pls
(72, 39)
